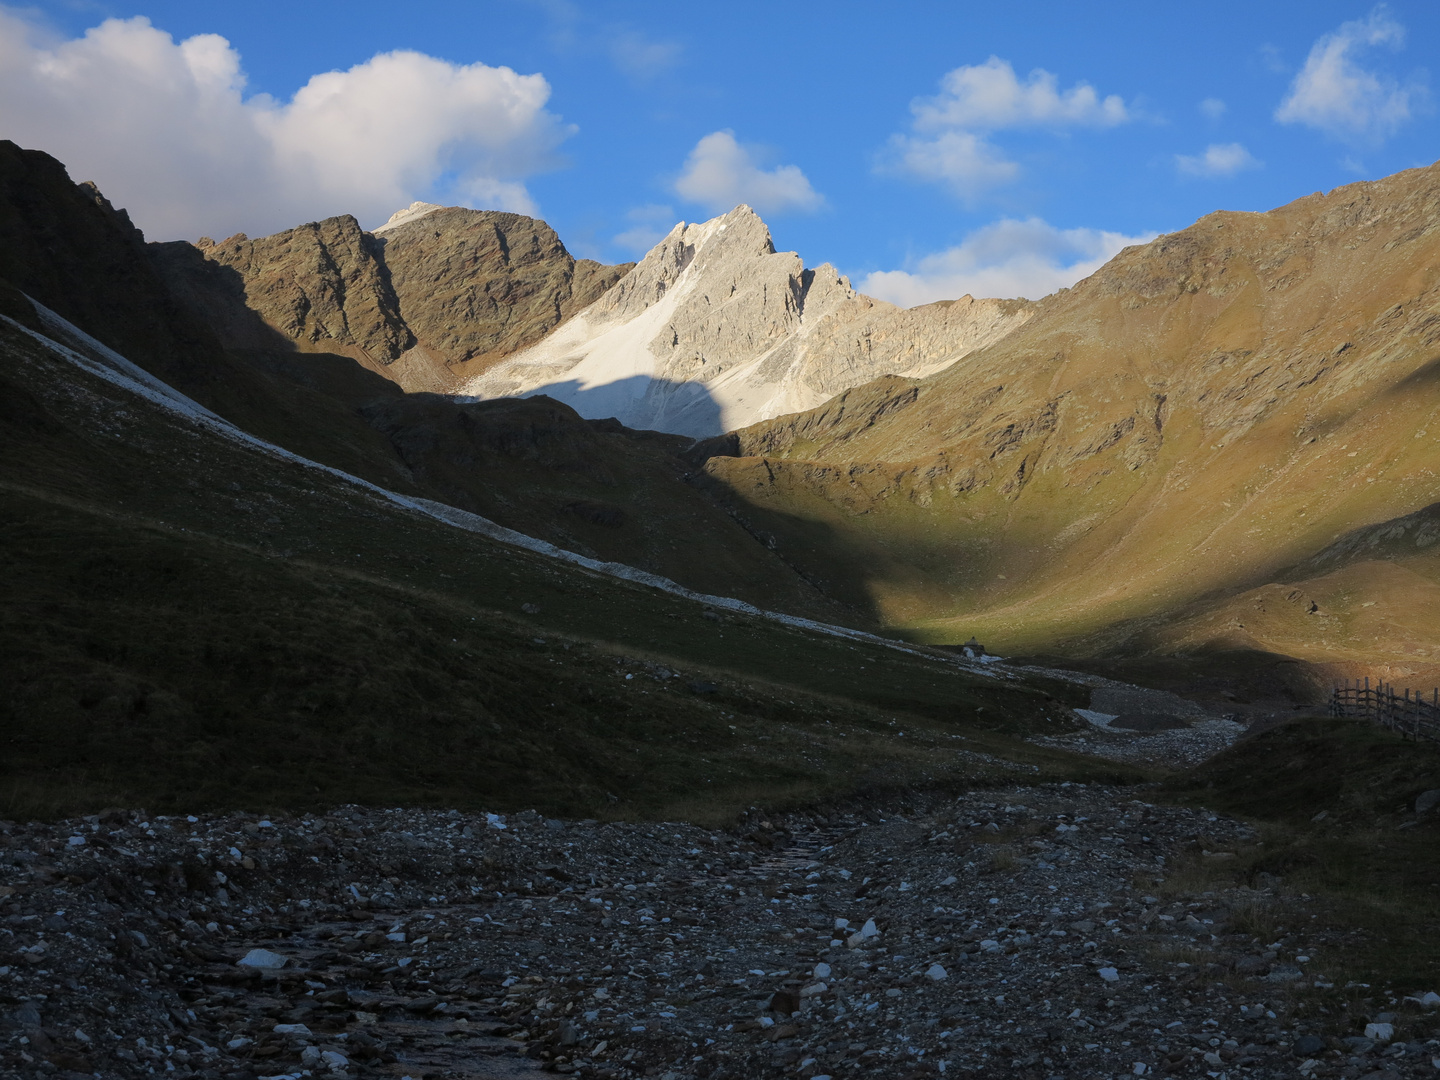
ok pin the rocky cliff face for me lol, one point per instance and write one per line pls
(434, 295)
(714, 329)
(478, 285)
(319, 285)
(64, 245)
(1195, 420)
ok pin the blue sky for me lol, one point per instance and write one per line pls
(924, 149)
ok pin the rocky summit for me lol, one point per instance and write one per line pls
(714, 329)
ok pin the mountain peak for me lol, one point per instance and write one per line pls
(413, 212)
(715, 329)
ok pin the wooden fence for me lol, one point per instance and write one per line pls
(1409, 714)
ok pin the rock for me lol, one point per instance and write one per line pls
(1380, 1032)
(262, 960)
(784, 1002)
(292, 1029)
(334, 1060)
(1109, 974)
(1308, 1046)
(1430, 1000)
(822, 971)
(865, 935)
(1252, 965)
(566, 1034)
(1427, 800)
(935, 973)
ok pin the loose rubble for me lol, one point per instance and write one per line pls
(1178, 747)
(1005, 933)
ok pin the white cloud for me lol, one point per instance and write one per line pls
(166, 130)
(1213, 108)
(720, 174)
(648, 226)
(988, 97)
(641, 57)
(960, 160)
(1335, 95)
(1029, 258)
(1219, 159)
(948, 143)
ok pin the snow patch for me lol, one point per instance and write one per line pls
(103, 362)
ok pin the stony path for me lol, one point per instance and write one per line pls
(1173, 749)
(1020, 933)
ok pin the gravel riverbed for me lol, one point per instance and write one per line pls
(1016, 933)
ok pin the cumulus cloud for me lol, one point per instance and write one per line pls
(1335, 95)
(1213, 108)
(167, 131)
(1219, 159)
(961, 160)
(648, 226)
(1009, 258)
(720, 174)
(988, 97)
(948, 141)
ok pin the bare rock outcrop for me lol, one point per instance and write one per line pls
(319, 285)
(435, 294)
(477, 285)
(715, 329)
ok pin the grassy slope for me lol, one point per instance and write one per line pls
(1190, 423)
(193, 622)
(1369, 863)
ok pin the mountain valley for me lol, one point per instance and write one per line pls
(607, 641)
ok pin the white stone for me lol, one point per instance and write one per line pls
(1109, 974)
(1430, 1000)
(1380, 1032)
(935, 973)
(334, 1059)
(951, 880)
(821, 971)
(291, 1029)
(262, 959)
(398, 936)
(869, 930)
(813, 989)
(989, 945)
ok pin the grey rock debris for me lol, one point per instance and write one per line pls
(433, 943)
